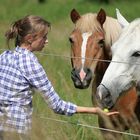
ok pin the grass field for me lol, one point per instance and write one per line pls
(59, 68)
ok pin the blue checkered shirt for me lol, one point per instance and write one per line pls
(20, 71)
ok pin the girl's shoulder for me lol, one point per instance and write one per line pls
(6, 55)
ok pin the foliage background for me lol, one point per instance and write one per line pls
(59, 68)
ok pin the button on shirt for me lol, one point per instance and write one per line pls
(20, 71)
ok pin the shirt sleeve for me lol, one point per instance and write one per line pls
(37, 78)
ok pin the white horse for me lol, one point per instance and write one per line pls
(123, 72)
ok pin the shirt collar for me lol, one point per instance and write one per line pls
(22, 50)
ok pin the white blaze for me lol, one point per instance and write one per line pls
(85, 37)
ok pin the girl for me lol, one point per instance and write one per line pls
(20, 71)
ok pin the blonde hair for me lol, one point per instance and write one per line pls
(28, 25)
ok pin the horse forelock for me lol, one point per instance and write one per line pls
(88, 23)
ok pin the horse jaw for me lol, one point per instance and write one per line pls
(122, 21)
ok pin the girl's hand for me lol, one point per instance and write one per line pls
(105, 112)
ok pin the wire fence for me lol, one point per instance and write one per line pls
(78, 123)
(93, 59)
(87, 126)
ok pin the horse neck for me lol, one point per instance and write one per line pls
(102, 66)
(110, 25)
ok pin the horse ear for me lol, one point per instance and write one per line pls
(74, 15)
(101, 16)
(123, 22)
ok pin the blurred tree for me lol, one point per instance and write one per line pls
(106, 1)
(41, 1)
(102, 1)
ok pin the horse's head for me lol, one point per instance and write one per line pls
(87, 44)
(123, 72)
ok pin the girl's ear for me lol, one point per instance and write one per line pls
(29, 38)
(122, 21)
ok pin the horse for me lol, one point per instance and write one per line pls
(122, 75)
(91, 41)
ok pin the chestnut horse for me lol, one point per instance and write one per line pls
(91, 41)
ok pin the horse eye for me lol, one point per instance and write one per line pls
(101, 43)
(71, 40)
(136, 54)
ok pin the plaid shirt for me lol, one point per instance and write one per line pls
(20, 71)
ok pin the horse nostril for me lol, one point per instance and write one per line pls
(75, 73)
(88, 74)
(99, 94)
(76, 78)
(104, 97)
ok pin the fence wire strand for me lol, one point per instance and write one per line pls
(88, 126)
(69, 57)
(93, 59)
(78, 123)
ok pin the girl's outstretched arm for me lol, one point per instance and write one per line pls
(94, 110)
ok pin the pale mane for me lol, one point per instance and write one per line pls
(89, 23)
(112, 30)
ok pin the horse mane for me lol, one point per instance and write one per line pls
(88, 23)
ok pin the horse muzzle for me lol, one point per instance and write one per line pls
(104, 97)
(84, 82)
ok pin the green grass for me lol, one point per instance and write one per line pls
(59, 68)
